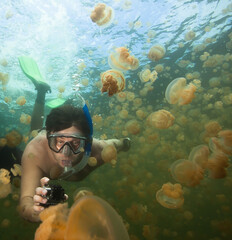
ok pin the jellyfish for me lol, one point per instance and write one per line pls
(109, 153)
(21, 100)
(217, 164)
(161, 119)
(186, 172)
(93, 218)
(25, 118)
(156, 52)
(14, 138)
(189, 35)
(200, 155)
(177, 92)
(222, 143)
(61, 88)
(122, 60)
(3, 142)
(54, 220)
(4, 176)
(16, 170)
(4, 78)
(121, 96)
(102, 15)
(92, 161)
(113, 81)
(170, 196)
(132, 127)
(146, 75)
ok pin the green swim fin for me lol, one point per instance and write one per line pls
(30, 69)
(55, 102)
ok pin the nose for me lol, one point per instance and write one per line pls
(66, 150)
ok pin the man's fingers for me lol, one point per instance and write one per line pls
(39, 199)
(38, 208)
(44, 181)
(40, 191)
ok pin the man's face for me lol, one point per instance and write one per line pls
(65, 145)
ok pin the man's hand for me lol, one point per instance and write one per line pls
(40, 193)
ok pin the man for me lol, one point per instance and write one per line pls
(60, 151)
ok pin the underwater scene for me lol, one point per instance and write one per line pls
(156, 71)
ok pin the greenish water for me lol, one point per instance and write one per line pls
(69, 48)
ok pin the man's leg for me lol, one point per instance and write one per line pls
(38, 111)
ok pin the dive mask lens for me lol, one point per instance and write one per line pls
(75, 142)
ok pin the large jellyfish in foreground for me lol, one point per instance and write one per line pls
(89, 218)
(122, 60)
(170, 195)
(177, 92)
(102, 15)
(113, 81)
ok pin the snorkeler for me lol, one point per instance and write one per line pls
(60, 151)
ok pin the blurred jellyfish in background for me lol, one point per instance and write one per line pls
(109, 153)
(5, 186)
(156, 52)
(113, 81)
(102, 15)
(200, 155)
(121, 60)
(21, 100)
(170, 196)
(161, 119)
(177, 92)
(189, 35)
(146, 75)
(14, 138)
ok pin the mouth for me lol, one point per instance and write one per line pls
(66, 163)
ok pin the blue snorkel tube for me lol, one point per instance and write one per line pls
(69, 171)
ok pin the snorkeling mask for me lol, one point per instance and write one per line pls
(74, 143)
(66, 144)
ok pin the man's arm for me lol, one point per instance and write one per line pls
(31, 175)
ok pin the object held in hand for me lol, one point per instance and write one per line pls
(55, 195)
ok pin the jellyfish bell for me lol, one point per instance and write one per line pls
(177, 92)
(200, 155)
(93, 218)
(102, 15)
(121, 60)
(170, 196)
(113, 81)
(156, 52)
(109, 153)
(161, 119)
(186, 172)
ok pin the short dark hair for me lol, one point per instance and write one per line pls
(67, 116)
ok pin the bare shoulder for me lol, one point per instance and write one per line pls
(37, 147)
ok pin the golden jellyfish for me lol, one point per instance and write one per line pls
(93, 218)
(212, 128)
(146, 75)
(3, 142)
(61, 88)
(16, 170)
(21, 100)
(170, 196)
(140, 114)
(4, 176)
(54, 220)
(200, 155)
(109, 153)
(113, 81)
(161, 119)
(121, 96)
(189, 35)
(85, 82)
(4, 78)
(217, 165)
(132, 127)
(89, 218)
(159, 68)
(186, 172)
(123, 114)
(122, 60)
(92, 161)
(177, 92)
(14, 138)
(156, 52)
(102, 15)
(25, 118)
